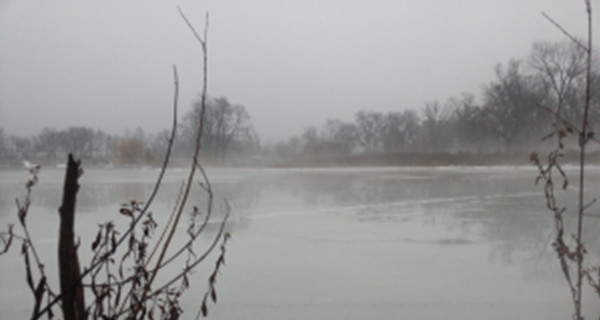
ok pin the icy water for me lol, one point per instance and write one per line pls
(369, 243)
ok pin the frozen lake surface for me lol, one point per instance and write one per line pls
(368, 243)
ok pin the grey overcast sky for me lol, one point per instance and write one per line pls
(292, 63)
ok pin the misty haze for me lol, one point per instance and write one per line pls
(348, 160)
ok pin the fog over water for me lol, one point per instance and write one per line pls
(107, 65)
(377, 243)
(296, 89)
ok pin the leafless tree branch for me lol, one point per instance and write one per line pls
(565, 32)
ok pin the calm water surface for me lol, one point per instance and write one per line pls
(391, 243)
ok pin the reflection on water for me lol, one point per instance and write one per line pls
(423, 228)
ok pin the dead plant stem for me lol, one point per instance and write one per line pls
(190, 177)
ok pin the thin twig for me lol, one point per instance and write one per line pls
(584, 127)
(565, 32)
(208, 189)
(590, 204)
(190, 178)
(163, 233)
(191, 27)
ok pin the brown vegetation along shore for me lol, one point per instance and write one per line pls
(425, 159)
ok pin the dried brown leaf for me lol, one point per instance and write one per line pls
(97, 240)
(213, 295)
(204, 309)
(126, 212)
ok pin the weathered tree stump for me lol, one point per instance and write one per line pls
(73, 302)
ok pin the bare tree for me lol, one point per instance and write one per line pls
(400, 131)
(19, 148)
(561, 66)
(435, 126)
(3, 144)
(311, 141)
(511, 104)
(340, 136)
(369, 125)
(470, 124)
(78, 140)
(226, 124)
(47, 142)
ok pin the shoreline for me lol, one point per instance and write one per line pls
(344, 161)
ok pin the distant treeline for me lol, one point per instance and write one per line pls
(227, 132)
(514, 112)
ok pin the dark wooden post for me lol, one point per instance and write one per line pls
(73, 302)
